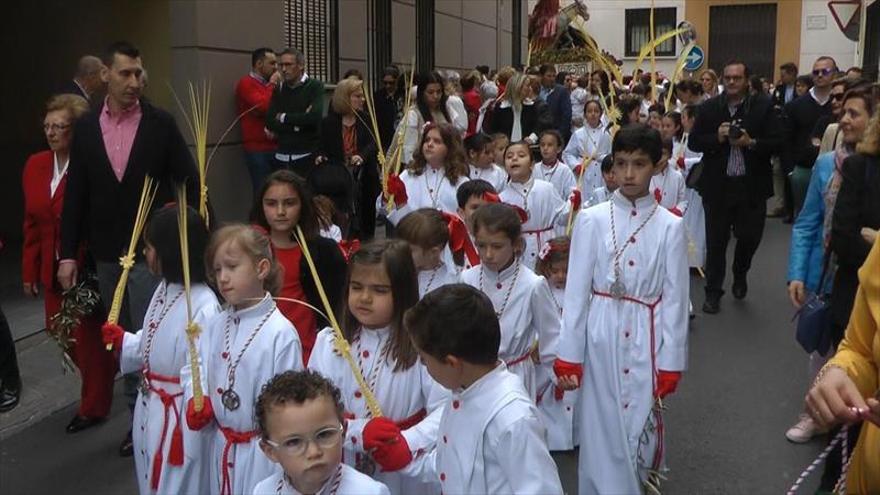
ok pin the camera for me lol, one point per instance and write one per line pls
(735, 131)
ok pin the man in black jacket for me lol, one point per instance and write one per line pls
(558, 101)
(737, 134)
(113, 149)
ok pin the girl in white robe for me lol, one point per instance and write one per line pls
(551, 169)
(427, 233)
(432, 180)
(241, 349)
(695, 216)
(168, 456)
(526, 311)
(382, 286)
(630, 344)
(589, 144)
(668, 186)
(481, 155)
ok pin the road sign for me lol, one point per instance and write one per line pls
(694, 59)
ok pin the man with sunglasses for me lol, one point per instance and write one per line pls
(801, 116)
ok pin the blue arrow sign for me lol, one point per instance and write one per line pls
(694, 59)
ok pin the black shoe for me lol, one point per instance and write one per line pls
(80, 423)
(9, 399)
(740, 287)
(712, 305)
(126, 448)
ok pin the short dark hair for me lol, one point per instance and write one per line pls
(259, 54)
(556, 135)
(162, 233)
(471, 188)
(736, 61)
(805, 80)
(122, 48)
(391, 70)
(483, 69)
(498, 217)
(828, 58)
(477, 141)
(690, 111)
(607, 163)
(789, 67)
(455, 320)
(638, 137)
(295, 387)
(855, 69)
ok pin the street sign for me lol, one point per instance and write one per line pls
(694, 59)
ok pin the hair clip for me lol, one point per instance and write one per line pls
(546, 249)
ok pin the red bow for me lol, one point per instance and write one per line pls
(348, 248)
(491, 197)
(459, 239)
(523, 214)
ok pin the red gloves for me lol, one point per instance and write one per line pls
(575, 199)
(397, 188)
(388, 447)
(198, 420)
(667, 381)
(112, 335)
(675, 211)
(680, 163)
(566, 369)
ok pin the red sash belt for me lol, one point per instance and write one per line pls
(175, 452)
(520, 359)
(404, 423)
(538, 233)
(233, 437)
(658, 451)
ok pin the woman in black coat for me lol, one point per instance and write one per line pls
(518, 113)
(347, 170)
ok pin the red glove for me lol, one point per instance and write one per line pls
(575, 199)
(397, 188)
(667, 381)
(577, 170)
(112, 335)
(558, 393)
(680, 162)
(388, 447)
(198, 420)
(566, 369)
(675, 211)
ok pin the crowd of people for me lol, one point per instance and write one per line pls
(463, 343)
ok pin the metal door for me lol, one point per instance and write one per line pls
(744, 32)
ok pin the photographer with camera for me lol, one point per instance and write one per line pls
(736, 133)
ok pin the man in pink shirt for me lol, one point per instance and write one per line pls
(252, 95)
(113, 150)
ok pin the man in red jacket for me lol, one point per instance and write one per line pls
(252, 95)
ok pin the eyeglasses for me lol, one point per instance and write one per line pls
(823, 72)
(298, 445)
(837, 96)
(55, 127)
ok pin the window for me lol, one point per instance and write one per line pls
(638, 30)
(311, 26)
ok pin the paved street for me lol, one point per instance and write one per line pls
(725, 425)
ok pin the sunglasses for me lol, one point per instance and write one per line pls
(823, 72)
(837, 96)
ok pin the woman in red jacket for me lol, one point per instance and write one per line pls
(43, 180)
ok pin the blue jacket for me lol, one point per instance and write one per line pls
(806, 254)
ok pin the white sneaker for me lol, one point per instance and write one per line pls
(804, 430)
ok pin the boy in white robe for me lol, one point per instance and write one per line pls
(301, 426)
(695, 216)
(625, 321)
(668, 184)
(489, 438)
(522, 299)
(603, 194)
(471, 196)
(589, 144)
(551, 169)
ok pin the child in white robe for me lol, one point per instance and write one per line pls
(427, 231)
(522, 299)
(624, 331)
(432, 179)
(489, 438)
(551, 169)
(556, 408)
(471, 196)
(168, 456)
(481, 155)
(668, 184)
(603, 194)
(381, 287)
(545, 210)
(588, 146)
(695, 216)
(242, 348)
(300, 419)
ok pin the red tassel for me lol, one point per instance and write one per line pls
(175, 454)
(157, 470)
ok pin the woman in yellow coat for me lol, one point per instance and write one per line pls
(846, 389)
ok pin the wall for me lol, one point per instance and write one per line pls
(828, 41)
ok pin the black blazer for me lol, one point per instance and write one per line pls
(330, 142)
(331, 267)
(100, 208)
(534, 118)
(857, 206)
(71, 87)
(333, 179)
(559, 105)
(760, 121)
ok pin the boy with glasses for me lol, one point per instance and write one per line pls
(299, 416)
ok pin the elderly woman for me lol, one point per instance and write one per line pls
(346, 171)
(44, 180)
(518, 114)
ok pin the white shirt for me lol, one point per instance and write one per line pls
(588, 142)
(350, 482)
(546, 210)
(558, 174)
(59, 170)
(495, 175)
(430, 189)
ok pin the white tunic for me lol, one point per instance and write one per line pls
(414, 123)
(557, 415)
(528, 313)
(490, 441)
(405, 396)
(346, 482)
(668, 185)
(558, 174)
(613, 338)
(442, 275)
(273, 349)
(695, 216)
(599, 195)
(588, 142)
(164, 336)
(430, 189)
(494, 175)
(546, 209)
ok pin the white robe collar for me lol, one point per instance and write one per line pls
(265, 305)
(644, 203)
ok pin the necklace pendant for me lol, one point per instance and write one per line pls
(230, 400)
(618, 289)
